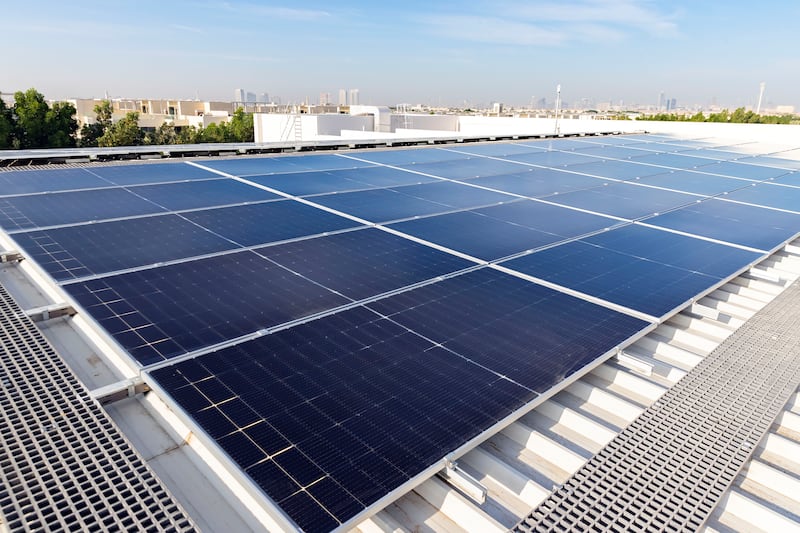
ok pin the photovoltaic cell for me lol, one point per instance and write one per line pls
(84, 250)
(32, 181)
(746, 225)
(454, 194)
(624, 200)
(611, 152)
(380, 205)
(162, 312)
(40, 210)
(408, 157)
(364, 263)
(151, 173)
(553, 158)
(250, 225)
(673, 160)
(206, 193)
(789, 179)
(500, 149)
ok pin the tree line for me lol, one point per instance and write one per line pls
(738, 116)
(33, 123)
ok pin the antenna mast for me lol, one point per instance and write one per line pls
(558, 107)
(760, 97)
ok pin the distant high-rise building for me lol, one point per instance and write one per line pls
(660, 100)
(238, 96)
(352, 97)
(250, 98)
(673, 104)
(324, 98)
(342, 97)
(263, 98)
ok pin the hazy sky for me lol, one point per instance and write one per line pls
(447, 52)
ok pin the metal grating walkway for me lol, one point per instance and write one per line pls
(669, 468)
(64, 465)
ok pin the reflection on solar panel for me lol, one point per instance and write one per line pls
(339, 324)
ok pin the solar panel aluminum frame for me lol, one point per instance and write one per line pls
(276, 513)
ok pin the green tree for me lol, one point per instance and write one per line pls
(6, 126)
(31, 110)
(213, 133)
(188, 135)
(91, 133)
(61, 125)
(164, 134)
(241, 127)
(126, 132)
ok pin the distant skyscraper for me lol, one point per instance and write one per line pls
(238, 96)
(324, 98)
(352, 97)
(263, 98)
(342, 97)
(673, 104)
(660, 100)
(250, 98)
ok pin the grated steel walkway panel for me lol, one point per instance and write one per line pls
(669, 469)
(64, 465)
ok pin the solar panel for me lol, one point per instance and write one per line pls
(537, 182)
(624, 200)
(742, 170)
(329, 416)
(12, 183)
(333, 361)
(694, 182)
(640, 268)
(89, 249)
(741, 224)
(206, 193)
(41, 210)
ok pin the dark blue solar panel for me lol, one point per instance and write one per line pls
(380, 205)
(553, 159)
(538, 182)
(618, 170)
(207, 193)
(151, 173)
(267, 222)
(533, 335)
(495, 232)
(630, 281)
(672, 160)
(769, 195)
(496, 149)
(30, 181)
(637, 268)
(779, 162)
(611, 152)
(360, 264)
(347, 408)
(720, 155)
(756, 227)
(624, 200)
(40, 210)
(351, 406)
(305, 183)
(407, 157)
(694, 182)
(87, 249)
(162, 312)
(270, 165)
(789, 179)
(473, 167)
(742, 170)
(454, 194)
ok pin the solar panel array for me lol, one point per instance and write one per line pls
(340, 323)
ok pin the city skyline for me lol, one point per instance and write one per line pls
(448, 53)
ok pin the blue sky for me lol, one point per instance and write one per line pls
(436, 52)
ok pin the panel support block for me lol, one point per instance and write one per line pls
(464, 482)
(120, 390)
(47, 312)
(11, 256)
